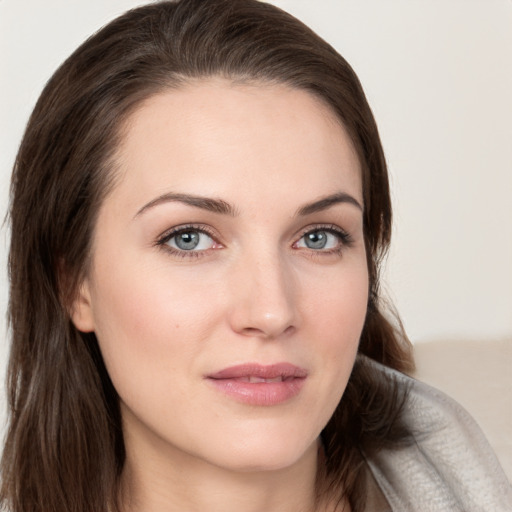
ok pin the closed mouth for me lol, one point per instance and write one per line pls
(257, 373)
(260, 385)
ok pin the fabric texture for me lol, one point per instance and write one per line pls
(448, 467)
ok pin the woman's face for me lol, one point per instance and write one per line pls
(228, 285)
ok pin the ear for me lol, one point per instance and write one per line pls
(81, 309)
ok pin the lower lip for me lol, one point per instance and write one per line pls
(259, 393)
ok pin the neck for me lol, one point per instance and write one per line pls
(157, 483)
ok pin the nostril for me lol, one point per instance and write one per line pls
(289, 330)
(252, 331)
(268, 333)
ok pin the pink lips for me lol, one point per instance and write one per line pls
(257, 384)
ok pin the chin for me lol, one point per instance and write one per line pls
(268, 452)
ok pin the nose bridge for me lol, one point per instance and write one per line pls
(265, 298)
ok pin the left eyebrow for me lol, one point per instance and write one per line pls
(327, 202)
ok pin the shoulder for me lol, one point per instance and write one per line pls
(447, 465)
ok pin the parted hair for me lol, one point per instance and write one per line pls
(64, 448)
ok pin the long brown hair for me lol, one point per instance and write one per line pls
(64, 448)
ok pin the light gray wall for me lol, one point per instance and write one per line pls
(438, 74)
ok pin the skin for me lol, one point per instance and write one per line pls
(251, 291)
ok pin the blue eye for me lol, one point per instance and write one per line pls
(323, 239)
(189, 239)
(317, 239)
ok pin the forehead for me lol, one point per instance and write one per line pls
(213, 136)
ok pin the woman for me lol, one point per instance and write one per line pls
(199, 208)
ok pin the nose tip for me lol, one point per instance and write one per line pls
(264, 304)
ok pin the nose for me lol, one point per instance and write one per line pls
(264, 298)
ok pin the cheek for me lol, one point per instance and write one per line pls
(338, 302)
(337, 316)
(149, 323)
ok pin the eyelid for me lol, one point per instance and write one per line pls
(169, 233)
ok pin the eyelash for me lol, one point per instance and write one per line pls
(345, 240)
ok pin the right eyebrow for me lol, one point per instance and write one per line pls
(205, 203)
(326, 202)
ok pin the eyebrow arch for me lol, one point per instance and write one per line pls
(205, 203)
(327, 202)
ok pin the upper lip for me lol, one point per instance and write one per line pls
(272, 371)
